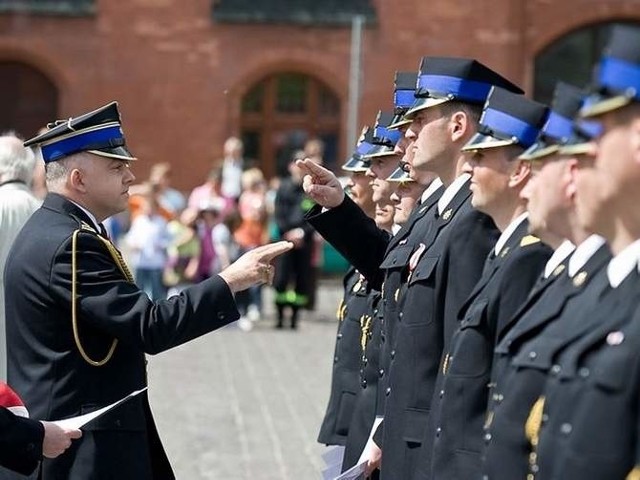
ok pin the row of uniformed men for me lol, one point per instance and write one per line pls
(494, 333)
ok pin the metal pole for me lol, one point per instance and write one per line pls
(354, 82)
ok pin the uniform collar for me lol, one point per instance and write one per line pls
(559, 254)
(623, 264)
(583, 253)
(431, 189)
(504, 236)
(451, 191)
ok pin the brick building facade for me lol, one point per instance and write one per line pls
(190, 73)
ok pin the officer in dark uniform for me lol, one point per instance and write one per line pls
(78, 327)
(446, 261)
(560, 149)
(586, 419)
(354, 315)
(509, 124)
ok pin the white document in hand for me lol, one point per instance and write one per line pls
(82, 420)
(354, 473)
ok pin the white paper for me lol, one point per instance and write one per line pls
(354, 473)
(82, 420)
(367, 447)
(331, 472)
(333, 455)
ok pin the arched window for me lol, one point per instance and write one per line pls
(29, 99)
(570, 58)
(281, 112)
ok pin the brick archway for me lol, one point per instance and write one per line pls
(29, 98)
(282, 110)
(571, 56)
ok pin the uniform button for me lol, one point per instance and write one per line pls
(339, 336)
(545, 417)
(387, 391)
(364, 384)
(393, 354)
(381, 372)
(221, 316)
(485, 477)
(375, 311)
(438, 431)
(532, 355)
(535, 468)
(441, 393)
(400, 315)
(583, 372)
(365, 361)
(487, 437)
(335, 359)
(555, 370)
(566, 428)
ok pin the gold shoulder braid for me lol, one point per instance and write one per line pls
(365, 327)
(122, 266)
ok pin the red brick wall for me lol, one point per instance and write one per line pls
(179, 76)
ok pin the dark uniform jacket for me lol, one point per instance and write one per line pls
(20, 442)
(365, 407)
(515, 388)
(453, 441)
(589, 424)
(45, 366)
(445, 267)
(345, 380)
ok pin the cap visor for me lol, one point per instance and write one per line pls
(605, 105)
(586, 148)
(399, 176)
(539, 150)
(118, 153)
(380, 151)
(422, 104)
(480, 141)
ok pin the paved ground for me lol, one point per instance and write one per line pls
(235, 405)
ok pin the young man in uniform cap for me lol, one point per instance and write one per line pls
(516, 382)
(509, 124)
(78, 327)
(345, 378)
(586, 419)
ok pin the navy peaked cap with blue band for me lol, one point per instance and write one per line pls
(403, 97)
(357, 162)
(98, 132)
(617, 76)
(384, 138)
(444, 79)
(508, 119)
(566, 103)
(580, 142)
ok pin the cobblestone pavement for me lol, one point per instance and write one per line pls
(237, 405)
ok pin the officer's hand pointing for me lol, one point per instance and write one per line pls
(320, 184)
(254, 267)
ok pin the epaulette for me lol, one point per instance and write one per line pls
(529, 240)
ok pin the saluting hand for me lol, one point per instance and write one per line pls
(254, 267)
(321, 184)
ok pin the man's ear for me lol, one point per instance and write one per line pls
(460, 126)
(520, 174)
(76, 180)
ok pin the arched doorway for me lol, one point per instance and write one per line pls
(570, 58)
(29, 99)
(281, 112)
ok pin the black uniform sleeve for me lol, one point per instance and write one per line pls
(20, 442)
(108, 302)
(355, 236)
